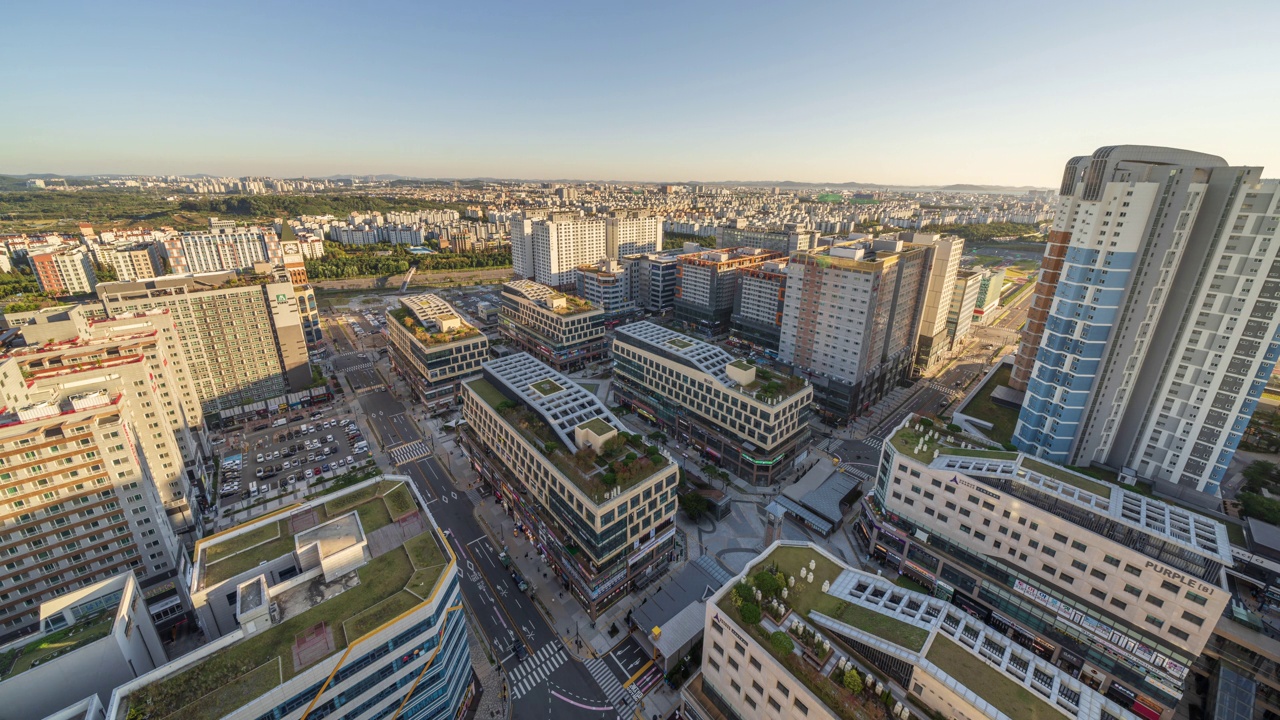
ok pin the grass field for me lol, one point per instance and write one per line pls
(1004, 420)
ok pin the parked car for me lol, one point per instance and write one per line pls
(261, 457)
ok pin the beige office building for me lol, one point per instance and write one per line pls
(944, 263)
(563, 331)
(243, 338)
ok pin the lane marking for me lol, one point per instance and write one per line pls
(584, 706)
(482, 537)
(639, 672)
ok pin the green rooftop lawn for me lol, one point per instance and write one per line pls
(907, 583)
(546, 387)
(1235, 533)
(882, 626)
(399, 501)
(425, 551)
(904, 441)
(679, 343)
(57, 643)
(804, 596)
(993, 686)
(598, 426)
(1004, 420)
(239, 543)
(741, 364)
(487, 392)
(344, 504)
(373, 515)
(235, 694)
(380, 579)
(234, 564)
(370, 619)
(1066, 476)
(990, 454)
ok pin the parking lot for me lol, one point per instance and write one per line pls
(311, 445)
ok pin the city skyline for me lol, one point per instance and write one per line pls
(820, 94)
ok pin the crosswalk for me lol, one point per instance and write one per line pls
(534, 669)
(874, 442)
(849, 469)
(361, 366)
(474, 496)
(624, 699)
(409, 452)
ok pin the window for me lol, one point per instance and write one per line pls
(1049, 569)
(736, 687)
(1193, 619)
(756, 686)
(1197, 598)
(1049, 551)
(714, 665)
(1066, 578)
(1136, 592)
(1078, 565)
(1133, 570)
(1119, 604)
(1033, 544)
(1169, 587)
(734, 664)
(804, 709)
(755, 663)
(1113, 562)
(783, 689)
(738, 648)
(1060, 538)
(1097, 593)
(1098, 574)
(1154, 621)
(717, 648)
(1152, 599)
(774, 704)
(1077, 545)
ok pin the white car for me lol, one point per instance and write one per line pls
(261, 457)
(328, 438)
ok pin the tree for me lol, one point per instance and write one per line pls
(658, 436)
(750, 613)
(782, 643)
(1259, 474)
(745, 592)
(694, 505)
(766, 583)
(853, 682)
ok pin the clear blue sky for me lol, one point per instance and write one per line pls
(887, 92)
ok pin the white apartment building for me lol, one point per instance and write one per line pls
(788, 240)
(944, 263)
(1154, 341)
(757, 308)
(221, 248)
(64, 271)
(632, 232)
(988, 302)
(562, 242)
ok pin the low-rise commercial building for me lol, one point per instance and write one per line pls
(787, 240)
(825, 620)
(1115, 587)
(748, 420)
(434, 348)
(599, 503)
(563, 331)
(347, 601)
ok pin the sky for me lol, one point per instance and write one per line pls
(907, 93)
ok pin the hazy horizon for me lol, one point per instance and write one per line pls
(928, 94)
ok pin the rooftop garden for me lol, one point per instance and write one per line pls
(790, 580)
(679, 343)
(770, 386)
(389, 585)
(573, 306)
(1009, 697)
(989, 454)
(425, 336)
(1066, 476)
(597, 426)
(224, 559)
(1003, 419)
(546, 386)
(57, 644)
(626, 459)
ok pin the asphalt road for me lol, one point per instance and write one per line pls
(546, 680)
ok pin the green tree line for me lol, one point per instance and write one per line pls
(18, 283)
(983, 233)
(340, 264)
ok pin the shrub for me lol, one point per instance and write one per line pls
(781, 643)
(745, 592)
(952, 427)
(750, 613)
(926, 422)
(1010, 447)
(694, 505)
(609, 479)
(853, 682)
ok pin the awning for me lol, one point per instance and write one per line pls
(810, 518)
